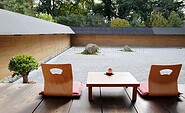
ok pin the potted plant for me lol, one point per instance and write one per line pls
(21, 65)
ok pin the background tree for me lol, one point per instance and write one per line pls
(167, 6)
(119, 23)
(46, 16)
(136, 20)
(1, 4)
(141, 8)
(81, 20)
(98, 8)
(45, 6)
(87, 12)
(62, 8)
(157, 20)
(71, 20)
(73, 13)
(20, 6)
(108, 9)
(174, 20)
(124, 7)
(96, 20)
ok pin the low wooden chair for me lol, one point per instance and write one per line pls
(162, 81)
(58, 80)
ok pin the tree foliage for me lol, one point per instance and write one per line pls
(20, 6)
(22, 65)
(119, 23)
(108, 9)
(174, 20)
(1, 4)
(71, 20)
(46, 16)
(157, 20)
(136, 20)
(140, 7)
(95, 20)
(91, 13)
(45, 6)
(167, 6)
(64, 7)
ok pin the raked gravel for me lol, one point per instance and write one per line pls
(137, 63)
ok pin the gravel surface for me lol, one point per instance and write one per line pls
(137, 63)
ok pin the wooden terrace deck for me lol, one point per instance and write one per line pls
(24, 98)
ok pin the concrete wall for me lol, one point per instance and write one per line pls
(131, 40)
(39, 46)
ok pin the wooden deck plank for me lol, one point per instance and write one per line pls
(173, 104)
(10, 93)
(20, 98)
(24, 98)
(115, 100)
(4, 86)
(82, 105)
(54, 105)
(147, 105)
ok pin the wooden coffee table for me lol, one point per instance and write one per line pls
(119, 79)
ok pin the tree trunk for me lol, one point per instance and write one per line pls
(25, 79)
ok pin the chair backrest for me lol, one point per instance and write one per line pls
(163, 80)
(58, 79)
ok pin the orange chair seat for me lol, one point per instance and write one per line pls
(143, 88)
(77, 88)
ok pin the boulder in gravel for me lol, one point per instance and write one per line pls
(91, 49)
(127, 49)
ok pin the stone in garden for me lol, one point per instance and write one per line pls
(127, 49)
(91, 49)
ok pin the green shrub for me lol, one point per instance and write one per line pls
(46, 17)
(174, 20)
(91, 49)
(22, 65)
(157, 20)
(119, 23)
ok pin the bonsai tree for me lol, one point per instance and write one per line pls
(91, 49)
(22, 65)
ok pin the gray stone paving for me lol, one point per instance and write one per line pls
(137, 62)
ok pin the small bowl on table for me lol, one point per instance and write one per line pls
(109, 74)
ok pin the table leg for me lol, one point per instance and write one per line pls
(90, 93)
(134, 94)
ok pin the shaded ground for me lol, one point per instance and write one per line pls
(137, 62)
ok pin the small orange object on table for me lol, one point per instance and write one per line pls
(118, 79)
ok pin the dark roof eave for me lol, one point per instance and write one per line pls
(128, 31)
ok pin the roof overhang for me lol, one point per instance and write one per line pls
(17, 24)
